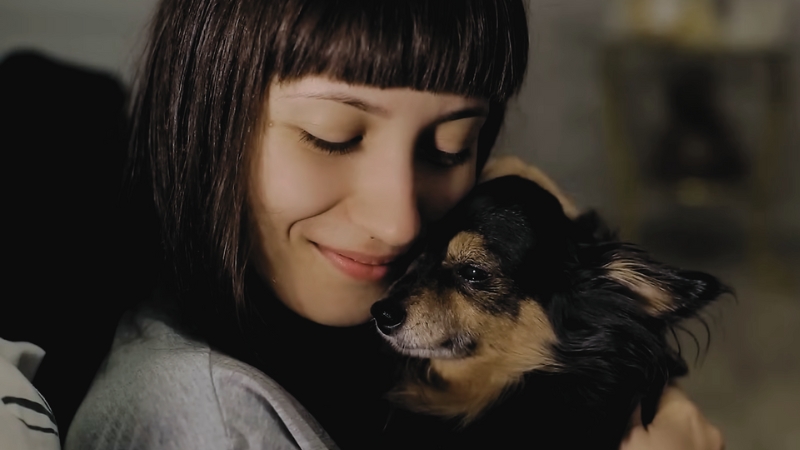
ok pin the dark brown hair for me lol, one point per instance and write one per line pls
(209, 63)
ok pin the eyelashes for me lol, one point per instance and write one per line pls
(338, 148)
(428, 153)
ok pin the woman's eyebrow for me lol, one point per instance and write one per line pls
(345, 99)
(475, 111)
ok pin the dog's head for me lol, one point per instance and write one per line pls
(508, 285)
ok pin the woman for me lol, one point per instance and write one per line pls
(297, 149)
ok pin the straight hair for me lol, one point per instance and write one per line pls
(200, 96)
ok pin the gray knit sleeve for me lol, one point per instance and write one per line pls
(248, 400)
(160, 391)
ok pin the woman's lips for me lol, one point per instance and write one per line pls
(357, 265)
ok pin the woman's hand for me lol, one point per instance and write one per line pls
(678, 425)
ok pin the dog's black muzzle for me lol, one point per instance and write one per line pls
(389, 314)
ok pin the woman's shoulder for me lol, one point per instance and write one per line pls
(247, 398)
(159, 389)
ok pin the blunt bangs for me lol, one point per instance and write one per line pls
(200, 97)
(474, 48)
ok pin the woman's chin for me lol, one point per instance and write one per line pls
(343, 316)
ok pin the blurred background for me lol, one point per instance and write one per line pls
(679, 120)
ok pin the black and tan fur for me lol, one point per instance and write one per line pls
(525, 328)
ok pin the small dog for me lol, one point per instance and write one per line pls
(523, 328)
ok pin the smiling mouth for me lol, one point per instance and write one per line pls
(356, 266)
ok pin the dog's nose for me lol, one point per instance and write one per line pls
(388, 315)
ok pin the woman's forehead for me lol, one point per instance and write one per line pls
(382, 102)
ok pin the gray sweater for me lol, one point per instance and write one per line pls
(160, 390)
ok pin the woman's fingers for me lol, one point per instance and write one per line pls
(678, 425)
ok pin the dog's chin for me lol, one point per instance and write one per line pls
(428, 353)
(446, 351)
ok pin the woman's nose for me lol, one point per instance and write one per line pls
(385, 201)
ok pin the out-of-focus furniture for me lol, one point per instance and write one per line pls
(695, 36)
(77, 245)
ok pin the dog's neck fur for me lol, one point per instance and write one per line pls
(454, 388)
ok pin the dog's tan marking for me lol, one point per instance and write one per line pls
(508, 348)
(628, 273)
(467, 246)
(512, 165)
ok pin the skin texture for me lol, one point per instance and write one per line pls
(679, 424)
(375, 199)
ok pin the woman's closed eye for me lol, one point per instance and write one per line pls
(427, 153)
(444, 159)
(336, 148)
(452, 143)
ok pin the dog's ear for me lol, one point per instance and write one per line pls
(514, 214)
(663, 291)
(590, 227)
(509, 165)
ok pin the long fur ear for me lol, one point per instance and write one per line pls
(664, 291)
(590, 227)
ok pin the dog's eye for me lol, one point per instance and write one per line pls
(473, 274)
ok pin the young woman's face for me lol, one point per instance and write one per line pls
(344, 178)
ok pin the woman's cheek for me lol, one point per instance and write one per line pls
(439, 193)
(297, 181)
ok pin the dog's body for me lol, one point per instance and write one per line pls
(524, 328)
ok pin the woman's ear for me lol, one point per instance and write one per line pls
(663, 291)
